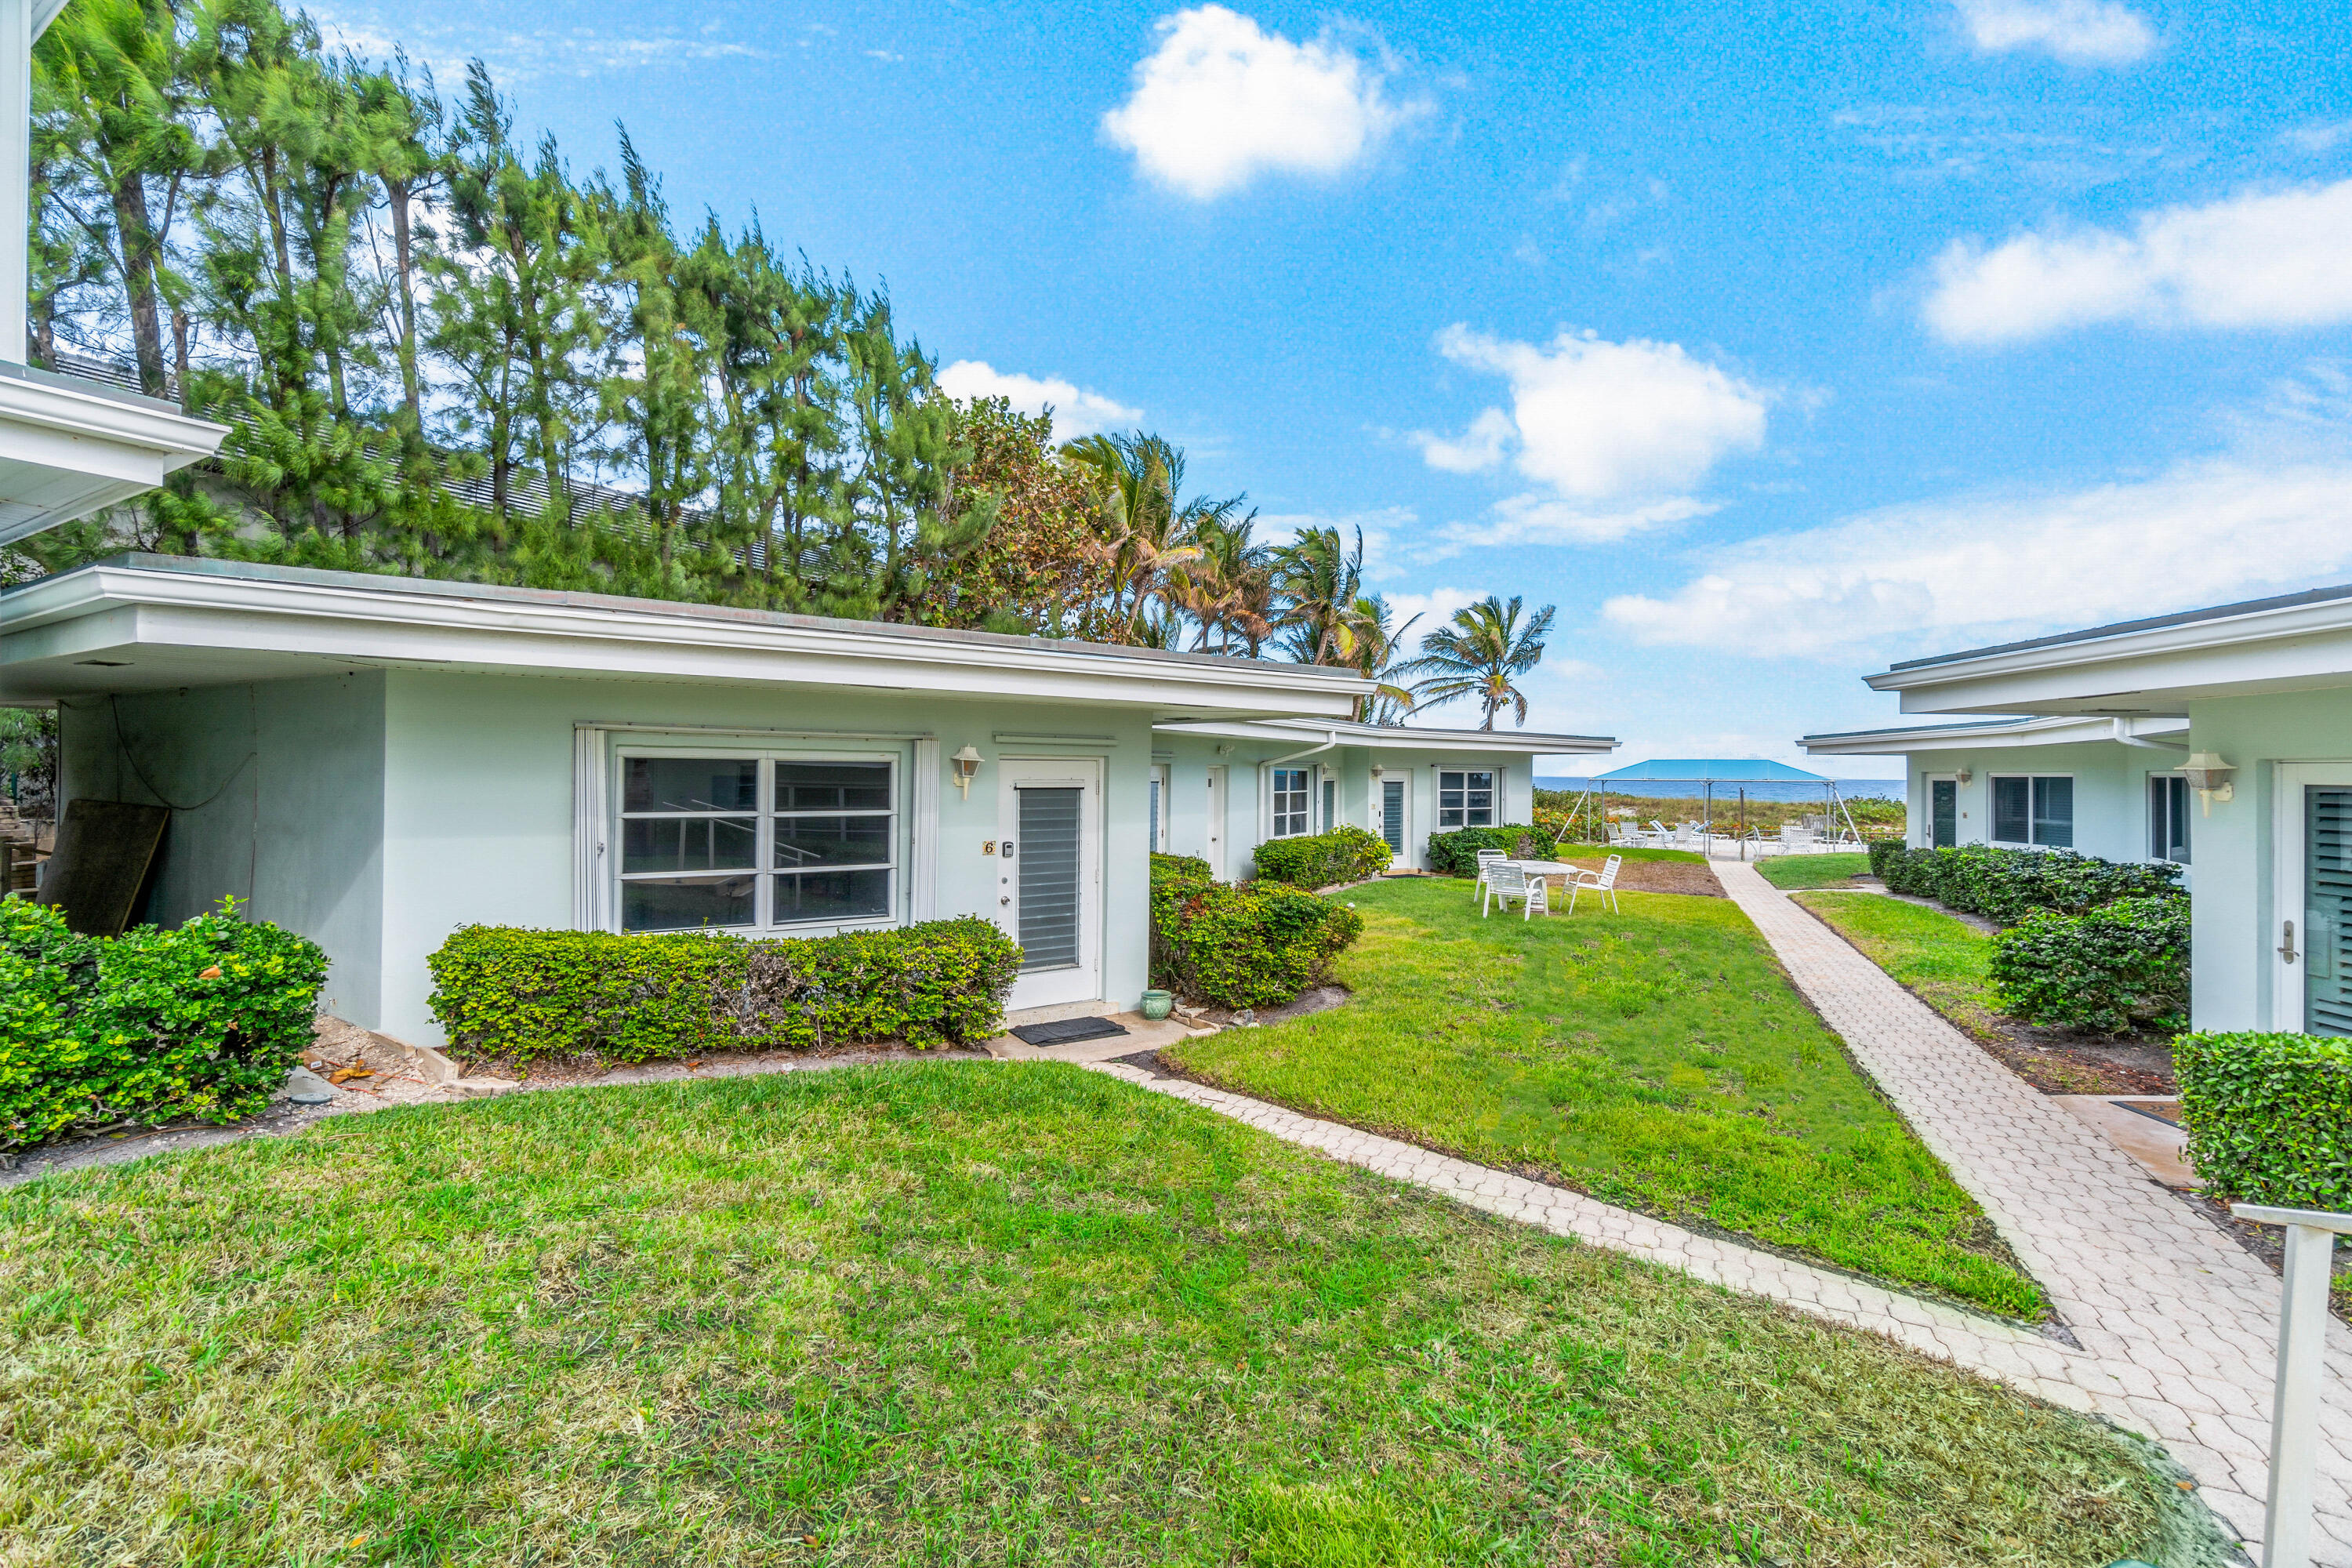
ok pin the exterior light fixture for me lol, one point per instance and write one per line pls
(2209, 775)
(1965, 776)
(1378, 771)
(967, 763)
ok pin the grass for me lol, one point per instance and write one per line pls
(1631, 853)
(1943, 960)
(1810, 870)
(1658, 1060)
(944, 1313)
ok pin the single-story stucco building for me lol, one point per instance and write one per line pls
(2266, 687)
(1228, 786)
(376, 761)
(2108, 785)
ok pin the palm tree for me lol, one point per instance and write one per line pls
(1377, 648)
(1145, 528)
(1481, 654)
(1225, 589)
(1321, 582)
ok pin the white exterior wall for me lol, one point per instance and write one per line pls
(280, 791)
(380, 812)
(2110, 791)
(1249, 765)
(2236, 919)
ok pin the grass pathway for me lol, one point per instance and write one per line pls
(1657, 1060)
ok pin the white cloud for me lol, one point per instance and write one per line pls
(1221, 100)
(2207, 531)
(1076, 412)
(2079, 32)
(2321, 138)
(1434, 607)
(1612, 432)
(2258, 260)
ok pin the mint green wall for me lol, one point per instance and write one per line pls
(478, 813)
(2236, 922)
(1188, 758)
(283, 786)
(2110, 791)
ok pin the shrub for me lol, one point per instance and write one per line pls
(2269, 1117)
(2005, 886)
(515, 995)
(1343, 854)
(2106, 970)
(1456, 853)
(1250, 945)
(1187, 866)
(202, 1021)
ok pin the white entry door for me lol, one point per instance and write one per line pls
(1049, 876)
(1215, 853)
(2310, 931)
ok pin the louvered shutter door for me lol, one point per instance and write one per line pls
(2327, 913)
(1049, 876)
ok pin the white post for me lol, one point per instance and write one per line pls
(16, 171)
(2294, 1411)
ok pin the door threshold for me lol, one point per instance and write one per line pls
(1054, 1012)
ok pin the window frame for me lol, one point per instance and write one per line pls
(1159, 795)
(1274, 794)
(2034, 819)
(765, 754)
(1462, 808)
(2175, 788)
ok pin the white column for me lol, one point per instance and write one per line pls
(16, 171)
(2294, 1413)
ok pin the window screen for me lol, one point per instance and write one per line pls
(1290, 803)
(2168, 819)
(2054, 812)
(1330, 805)
(2012, 811)
(697, 849)
(1466, 800)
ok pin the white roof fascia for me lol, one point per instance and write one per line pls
(340, 618)
(2294, 647)
(1392, 737)
(2059, 730)
(75, 451)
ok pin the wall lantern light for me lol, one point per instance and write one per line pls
(1378, 771)
(2209, 775)
(1965, 776)
(967, 763)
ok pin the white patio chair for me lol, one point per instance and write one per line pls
(1601, 883)
(1487, 859)
(1504, 881)
(1795, 841)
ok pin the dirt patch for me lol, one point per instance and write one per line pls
(1321, 999)
(1660, 876)
(2056, 1062)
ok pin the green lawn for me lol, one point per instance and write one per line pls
(1658, 1060)
(1603, 851)
(1943, 960)
(1812, 871)
(946, 1312)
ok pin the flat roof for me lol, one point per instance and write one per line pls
(2148, 624)
(1402, 737)
(176, 620)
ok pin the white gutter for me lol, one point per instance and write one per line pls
(1311, 750)
(2123, 733)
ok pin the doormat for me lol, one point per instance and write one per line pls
(2165, 1111)
(1067, 1031)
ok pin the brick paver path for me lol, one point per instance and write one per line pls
(2175, 1325)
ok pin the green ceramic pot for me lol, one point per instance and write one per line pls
(1157, 1004)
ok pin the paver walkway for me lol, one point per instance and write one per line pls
(2175, 1325)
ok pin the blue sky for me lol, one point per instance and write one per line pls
(1769, 343)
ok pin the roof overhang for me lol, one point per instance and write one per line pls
(145, 622)
(1395, 737)
(1913, 739)
(69, 447)
(2144, 668)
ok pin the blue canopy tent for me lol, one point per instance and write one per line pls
(1709, 772)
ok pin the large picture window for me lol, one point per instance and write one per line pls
(1290, 803)
(2039, 811)
(1465, 799)
(757, 842)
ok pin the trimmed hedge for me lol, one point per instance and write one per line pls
(2269, 1117)
(515, 995)
(2005, 886)
(1191, 866)
(2108, 970)
(1250, 945)
(1456, 853)
(1346, 854)
(202, 1021)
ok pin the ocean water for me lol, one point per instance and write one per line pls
(1669, 789)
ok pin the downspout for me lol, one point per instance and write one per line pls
(1311, 750)
(2128, 739)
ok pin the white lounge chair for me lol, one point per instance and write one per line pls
(1601, 883)
(1508, 880)
(1487, 858)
